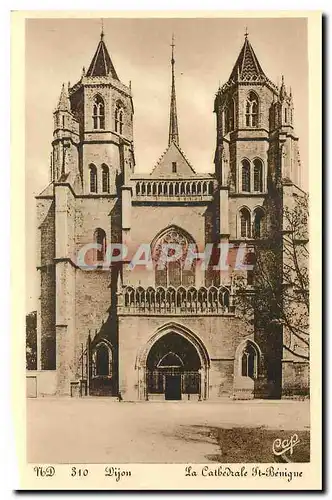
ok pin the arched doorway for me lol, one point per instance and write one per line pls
(101, 380)
(173, 366)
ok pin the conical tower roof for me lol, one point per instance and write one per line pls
(247, 66)
(63, 104)
(101, 64)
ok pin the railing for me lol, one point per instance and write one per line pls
(190, 380)
(160, 300)
(195, 189)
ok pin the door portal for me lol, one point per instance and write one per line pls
(173, 387)
(173, 369)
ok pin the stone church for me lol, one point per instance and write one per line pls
(170, 331)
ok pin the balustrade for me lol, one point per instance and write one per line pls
(160, 300)
(179, 188)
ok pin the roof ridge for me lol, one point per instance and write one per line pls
(185, 157)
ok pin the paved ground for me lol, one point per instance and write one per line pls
(100, 431)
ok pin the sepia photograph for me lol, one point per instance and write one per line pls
(167, 225)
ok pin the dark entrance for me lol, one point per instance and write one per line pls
(173, 368)
(173, 387)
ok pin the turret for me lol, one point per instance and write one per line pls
(65, 138)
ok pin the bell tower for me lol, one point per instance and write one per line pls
(103, 106)
(242, 108)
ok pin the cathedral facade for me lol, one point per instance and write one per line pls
(162, 329)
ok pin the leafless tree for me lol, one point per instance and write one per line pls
(276, 292)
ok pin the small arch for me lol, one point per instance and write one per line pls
(105, 176)
(98, 115)
(102, 360)
(245, 176)
(99, 238)
(93, 178)
(252, 105)
(245, 225)
(249, 360)
(258, 175)
(170, 360)
(119, 117)
(258, 222)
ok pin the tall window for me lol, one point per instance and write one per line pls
(245, 223)
(245, 176)
(98, 113)
(93, 178)
(173, 273)
(100, 239)
(229, 116)
(105, 173)
(258, 229)
(174, 167)
(102, 361)
(226, 118)
(119, 119)
(249, 361)
(252, 110)
(258, 175)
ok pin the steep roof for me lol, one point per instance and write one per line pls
(247, 66)
(173, 154)
(63, 104)
(101, 64)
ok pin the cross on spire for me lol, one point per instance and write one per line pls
(173, 45)
(246, 32)
(102, 30)
(173, 119)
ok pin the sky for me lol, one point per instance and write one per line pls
(205, 52)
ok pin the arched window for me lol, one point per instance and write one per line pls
(229, 116)
(93, 178)
(252, 110)
(245, 176)
(102, 361)
(100, 239)
(98, 113)
(258, 175)
(249, 361)
(226, 119)
(245, 223)
(258, 225)
(174, 273)
(105, 174)
(119, 118)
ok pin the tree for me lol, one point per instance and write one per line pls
(279, 293)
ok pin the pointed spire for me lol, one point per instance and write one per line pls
(102, 30)
(173, 119)
(282, 93)
(101, 64)
(247, 66)
(63, 104)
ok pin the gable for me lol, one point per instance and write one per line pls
(173, 155)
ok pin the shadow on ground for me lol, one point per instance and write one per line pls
(246, 444)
